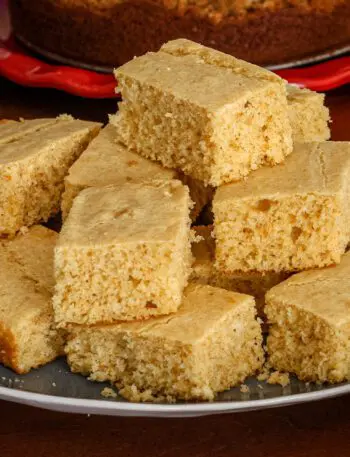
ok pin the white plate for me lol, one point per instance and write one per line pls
(55, 387)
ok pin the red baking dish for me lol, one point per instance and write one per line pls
(18, 64)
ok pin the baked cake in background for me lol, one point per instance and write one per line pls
(111, 32)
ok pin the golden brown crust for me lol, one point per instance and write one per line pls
(113, 32)
(8, 349)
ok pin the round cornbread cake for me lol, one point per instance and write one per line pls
(111, 32)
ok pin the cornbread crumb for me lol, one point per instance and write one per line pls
(124, 253)
(263, 376)
(309, 324)
(107, 392)
(28, 336)
(277, 377)
(133, 394)
(107, 162)
(211, 344)
(34, 159)
(290, 217)
(204, 271)
(244, 389)
(205, 92)
(23, 230)
(308, 115)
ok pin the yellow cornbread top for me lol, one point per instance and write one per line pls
(136, 212)
(311, 168)
(49, 137)
(12, 130)
(107, 162)
(324, 293)
(203, 307)
(190, 72)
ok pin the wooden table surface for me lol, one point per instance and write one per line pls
(309, 430)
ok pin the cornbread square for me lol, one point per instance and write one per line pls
(33, 167)
(290, 217)
(28, 336)
(310, 324)
(204, 272)
(124, 253)
(107, 162)
(213, 116)
(308, 115)
(211, 344)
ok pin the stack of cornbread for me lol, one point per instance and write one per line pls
(35, 157)
(145, 297)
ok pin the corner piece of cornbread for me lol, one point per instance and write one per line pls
(308, 115)
(291, 217)
(124, 253)
(211, 344)
(107, 162)
(214, 117)
(28, 335)
(204, 272)
(33, 163)
(309, 316)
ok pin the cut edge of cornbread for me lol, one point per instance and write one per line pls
(28, 335)
(309, 324)
(315, 353)
(23, 349)
(162, 359)
(33, 251)
(103, 277)
(288, 218)
(218, 154)
(308, 115)
(204, 272)
(31, 186)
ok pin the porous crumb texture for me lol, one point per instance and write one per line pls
(200, 194)
(277, 377)
(28, 335)
(107, 162)
(309, 324)
(32, 170)
(308, 115)
(107, 392)
(161, 358)
(124, 253)
(180, 105)
(290, 217)
(204, 272)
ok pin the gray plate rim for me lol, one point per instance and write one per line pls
(117, 408)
